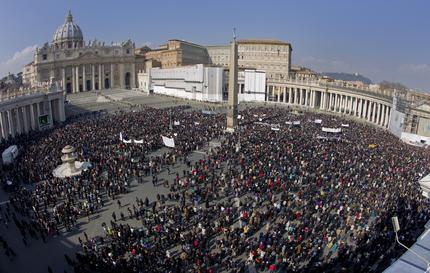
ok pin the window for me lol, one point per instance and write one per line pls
(44, 57)
(128, 51)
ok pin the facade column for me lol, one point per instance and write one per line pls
(50, 112)
(133, 77)
(63, 78)
(100, 77)
(61, 111)
(93, 76)
(103, 76)
(278, 88)
(73, 80)
(121, 77)
(374, 112)
(84, 81)
(112, 75)
(76, 83)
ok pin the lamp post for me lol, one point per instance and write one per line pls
(396, 227)
(170, 119)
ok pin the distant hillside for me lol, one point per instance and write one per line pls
(347, 77)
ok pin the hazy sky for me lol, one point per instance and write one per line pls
(383, 40)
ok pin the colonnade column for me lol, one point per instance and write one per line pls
(32, 119)
(365, 116)
(306, 97)
(312, 102)
(25, 119)
(279, 93)
(322, 104)
(359, 107)
(4, 129)
(387, 116)
(10, 122)
(285, 94)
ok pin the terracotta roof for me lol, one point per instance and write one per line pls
(262, 41)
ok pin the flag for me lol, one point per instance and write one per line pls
(169, 142)
(120, 136)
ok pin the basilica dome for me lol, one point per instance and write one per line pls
(68, 35)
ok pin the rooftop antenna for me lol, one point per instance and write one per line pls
(234, 34)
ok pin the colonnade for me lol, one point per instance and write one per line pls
(21, 116)
(370, 108)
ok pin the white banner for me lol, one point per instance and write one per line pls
(127, 141)
(120, 136)
(196, 123)
(275, 128)
(169, 142)
(138, 141)
(176, 123)
(345, 125)
(288, 122)
(318, 121)
(331, 130)
(296, 122)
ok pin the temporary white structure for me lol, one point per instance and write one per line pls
(10, 154)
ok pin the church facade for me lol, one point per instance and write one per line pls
(79, 66)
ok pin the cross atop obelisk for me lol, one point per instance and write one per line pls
(232, 87)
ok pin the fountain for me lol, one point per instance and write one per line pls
(70, 166)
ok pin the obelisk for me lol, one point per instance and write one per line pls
(232, 88)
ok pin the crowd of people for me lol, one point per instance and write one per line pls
(277, 195)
